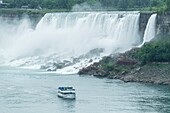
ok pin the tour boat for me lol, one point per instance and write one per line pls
(66, 92)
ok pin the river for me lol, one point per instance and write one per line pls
(34, 91)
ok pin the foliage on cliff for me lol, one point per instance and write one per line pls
(155, 51)
(103, 4)
(168, 4)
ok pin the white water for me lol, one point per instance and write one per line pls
(81, 32)
(64, 36)
(150, 30)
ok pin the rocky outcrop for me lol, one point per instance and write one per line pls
(157, 73)
(125, 67)
(110, 67)
(56, 65)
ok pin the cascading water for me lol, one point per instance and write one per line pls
(86, 31)
(150, 30)
(60, 36)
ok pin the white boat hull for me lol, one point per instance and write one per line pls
(67, 96)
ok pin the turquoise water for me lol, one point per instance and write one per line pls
(34, 91)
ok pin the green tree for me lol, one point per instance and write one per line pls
(109, 4)
(168, 4)
(123, 4)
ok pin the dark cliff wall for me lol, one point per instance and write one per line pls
(163, 23)
(144, 17)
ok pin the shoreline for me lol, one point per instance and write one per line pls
(148, 64)
(150, 73)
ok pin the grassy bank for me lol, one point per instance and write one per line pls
(157, 50)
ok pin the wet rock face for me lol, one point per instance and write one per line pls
(110, 67)
(144, 17)
(158, 73)
(163, 23)
(56, 65)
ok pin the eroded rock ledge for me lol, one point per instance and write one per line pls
(128, 70)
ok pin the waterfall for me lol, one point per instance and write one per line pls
(150, 29)
(66, 35)
(89, 30)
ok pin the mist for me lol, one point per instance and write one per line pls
(87, 7)
(68, 35)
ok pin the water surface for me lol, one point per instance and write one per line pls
(34, 91)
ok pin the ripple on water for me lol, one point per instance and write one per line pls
(30, 94)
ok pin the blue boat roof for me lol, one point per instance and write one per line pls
(64, 88)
